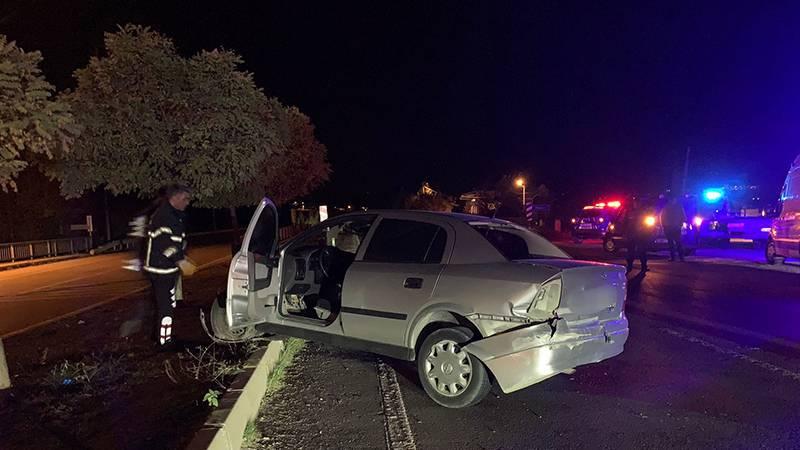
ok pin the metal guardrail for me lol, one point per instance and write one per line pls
(21, 251)
(25, 251)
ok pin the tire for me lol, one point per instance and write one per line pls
(609, 246)
(771, 253)
(436, 358)
(220, 326)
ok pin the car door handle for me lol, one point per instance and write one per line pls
(413, 283)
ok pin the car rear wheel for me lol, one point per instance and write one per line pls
(450, 376)
(772, 253)
(609, 246)
(220, 326)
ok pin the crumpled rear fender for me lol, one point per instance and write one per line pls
(529, 354)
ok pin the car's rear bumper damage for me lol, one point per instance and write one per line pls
(525, 356)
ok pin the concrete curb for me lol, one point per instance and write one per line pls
(224, 428)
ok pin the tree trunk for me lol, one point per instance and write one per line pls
(5, 380)
(108, 216)
(234, 221)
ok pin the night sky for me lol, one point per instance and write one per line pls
(584, 97)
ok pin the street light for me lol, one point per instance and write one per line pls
(521, 183)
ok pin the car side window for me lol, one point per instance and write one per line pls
(264, 233)
(406, 241)
(344, 235)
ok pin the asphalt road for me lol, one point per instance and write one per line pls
(34, 295)
(711, 362)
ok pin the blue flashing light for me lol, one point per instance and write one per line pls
(713, 195)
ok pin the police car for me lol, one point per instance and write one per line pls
(593, 221)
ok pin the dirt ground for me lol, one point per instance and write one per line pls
(313, 402)
(78, 383)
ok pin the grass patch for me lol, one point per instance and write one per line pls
(291, 347)
(275, 381)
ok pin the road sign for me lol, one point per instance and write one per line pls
(323, 213)
(83, 226)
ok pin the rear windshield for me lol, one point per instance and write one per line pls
(594, 213)
(516, 243)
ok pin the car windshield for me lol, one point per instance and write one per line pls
(516, 243)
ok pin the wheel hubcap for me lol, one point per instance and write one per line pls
(448, 368)
(237, 332)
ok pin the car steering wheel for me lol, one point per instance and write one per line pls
(326, 257)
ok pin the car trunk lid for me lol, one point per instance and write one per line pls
(591, 292)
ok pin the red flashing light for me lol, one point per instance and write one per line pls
(614, 204)
(600, 205)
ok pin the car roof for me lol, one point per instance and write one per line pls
(411, 213)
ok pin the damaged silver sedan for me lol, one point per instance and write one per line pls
(472, 300)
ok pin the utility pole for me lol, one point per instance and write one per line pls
(685, 170)
(5, 380)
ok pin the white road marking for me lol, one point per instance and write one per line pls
(397, 428)
(734, 354)
(72, 280)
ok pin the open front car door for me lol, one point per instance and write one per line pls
(253, 282)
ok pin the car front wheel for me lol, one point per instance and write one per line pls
(220, 326)
(450, 376)
(609, 245)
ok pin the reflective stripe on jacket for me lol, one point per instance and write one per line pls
(166, 240)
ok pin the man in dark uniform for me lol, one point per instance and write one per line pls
(672, 219)
(164, 256)
(638, 229)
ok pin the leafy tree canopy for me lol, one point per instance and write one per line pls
(33, 126)
(152, 116)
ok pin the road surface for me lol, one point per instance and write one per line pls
(34, 295)
(713, 360)
(711, 363)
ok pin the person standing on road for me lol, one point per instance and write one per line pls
(638, 234)
(672, 219)
(164, 256)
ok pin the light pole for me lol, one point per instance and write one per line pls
(521, 183)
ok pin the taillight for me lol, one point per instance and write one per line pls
(546, 300)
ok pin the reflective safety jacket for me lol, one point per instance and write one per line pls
(166, 241)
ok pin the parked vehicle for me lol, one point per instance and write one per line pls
(784, 240)
(753, 231)
(614, 241)
(592, 222)
(471, 299)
